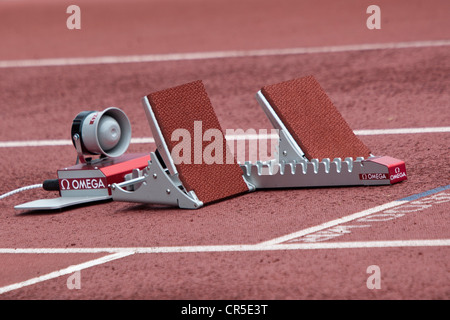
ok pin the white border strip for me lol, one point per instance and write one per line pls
(271, 245)
(118, 253)
(68, 270)
(335, 222)
(354, 216)
(368, 132)
(374, 132)
(215, 54)
(233, 248)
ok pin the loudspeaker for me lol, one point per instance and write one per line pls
(107, 133)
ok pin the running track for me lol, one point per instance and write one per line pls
(391, 85)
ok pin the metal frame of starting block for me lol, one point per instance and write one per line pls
(290, 168)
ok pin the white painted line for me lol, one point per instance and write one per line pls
(374, 132)
(34, 143)
(234, 248)
(294, 246)
(142, 140)
(357, 215)
(231, 137)
(60, 142)
(65, 271)
(332, 223)
(118, 253)
(216, 54)
(362, 244)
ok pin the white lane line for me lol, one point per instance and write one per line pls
(363, 244)
(234, 248)
(358, 215)
(118, 253)
(65, 271)
(335, 222)
(34, 143)
(271, 245)
(374, 132)
(274, 244)
(216, 54)
(236, 137)
(54, 143)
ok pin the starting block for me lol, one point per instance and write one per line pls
(316, 148)
(197, 183)
(156, 178)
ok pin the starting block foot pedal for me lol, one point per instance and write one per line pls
(183, 124)
(316, 145)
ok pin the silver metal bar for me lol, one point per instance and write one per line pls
(159, 138)
(288, 149)
(156, 186)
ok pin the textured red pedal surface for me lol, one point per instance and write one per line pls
(183, 107)
(313, 120)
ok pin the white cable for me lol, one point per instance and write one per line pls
(34, 186)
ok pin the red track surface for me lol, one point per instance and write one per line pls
(376, 89)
